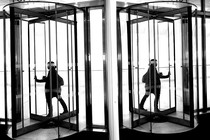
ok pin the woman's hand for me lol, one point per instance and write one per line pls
(169, 73)
(35, 78)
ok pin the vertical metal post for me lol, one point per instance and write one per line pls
(158, 52)
(21, 73)
(149, 51)
(182, 65)
(56, 46)
(104, 48)
(130, 85)
(155, 75)
(29, 68)
(76, 69)
(67, 33)
(45, 50)
(87, 54)
(203, 51)
(174, 45)
(45, 53)
(132, 102)
(120, 75)
(197, 61)
(138, 82)
(158, 46)
(13, 71)
(72, 70)
(50, 56)
(111, 55)
(190, 48)
(5, 69)
(35, 88)
(169, 69)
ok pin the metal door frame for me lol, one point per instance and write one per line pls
(25, 129)
(137, 122)
(88, 77)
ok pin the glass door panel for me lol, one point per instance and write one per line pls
(207, 62)
(165, 43)
(37, 67)
(97, 72)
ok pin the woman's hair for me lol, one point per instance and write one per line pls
(52, 64)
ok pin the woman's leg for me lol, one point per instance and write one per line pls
(157, 97)
(49, 103)
(146, 95)
(65, 109)
(60, 99)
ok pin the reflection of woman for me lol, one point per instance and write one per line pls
(153, 84)
(54, 86)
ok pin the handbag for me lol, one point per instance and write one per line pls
(60, 81)
(145, 77)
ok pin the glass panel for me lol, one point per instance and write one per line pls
(185, 67)
(178, 56)
(8, 72)
(97, 71)
(8, 68)
(208, 59)
(196, 60)
(207, 4)
(38, 67)
(2, 90)
(20, 64)
(125, 90)
(81, 71)
(165, 40)
(25, 76)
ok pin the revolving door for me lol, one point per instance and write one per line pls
(37, 34)
(161, 41)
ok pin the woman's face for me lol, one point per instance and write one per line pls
(50, 65)
(154, 63)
